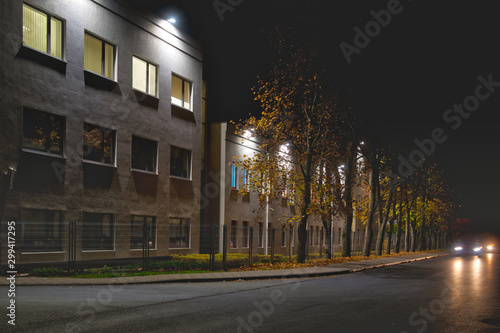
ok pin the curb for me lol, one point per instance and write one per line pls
(309, 272)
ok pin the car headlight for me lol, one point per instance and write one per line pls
(458, 248)
(490, 247)
(477, 249)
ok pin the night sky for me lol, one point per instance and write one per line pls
(425, 60)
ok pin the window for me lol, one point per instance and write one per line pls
(99, 56)
(40, 231)
(260, 235)
(340, 236)
(144, 154)
(311, 235)
(245, 180)
(245, 234)
(137, 231)
(42, 31)
(181, 92)
(179, 233)
(180, 162)
(43, 131)
(144, 76)
(99, 144)
(98, 232)
(318, 236)
(234, 230)
(283, 236)
(234, 176)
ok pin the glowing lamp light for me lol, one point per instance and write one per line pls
(172, 20)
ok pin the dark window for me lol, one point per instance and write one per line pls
(260, 236)
(40, 231)
(98, 232)
(98, 144)
(234, 240)
(137, 231)
(180, 162)
(179, 233)
(43, 131)
(245, 234)
(144, 154)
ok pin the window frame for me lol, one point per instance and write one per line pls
(190, 167)
(157, 81)
(103, 54)
(47, 151)
(154, 230)
(191, 89)
(181, 219)
(50, 16)
(113, 154)
(156, 153)
(55, 224)
(246, 235)
(84, 226)
(234, 176)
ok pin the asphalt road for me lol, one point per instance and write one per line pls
(447, 294)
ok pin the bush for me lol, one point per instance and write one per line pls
(47, 272)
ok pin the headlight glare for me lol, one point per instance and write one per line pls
(458, 248)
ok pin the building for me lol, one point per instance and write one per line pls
(226, 205)
(100, 131)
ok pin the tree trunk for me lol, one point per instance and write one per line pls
(374, 180)
(346, 232)
(413, 243)
(385, 219)
(407, 228)
(400, 226)
(422, 245)
(327, 226)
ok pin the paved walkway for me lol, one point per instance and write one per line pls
(326, 270)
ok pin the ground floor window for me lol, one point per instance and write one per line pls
(40, 231)
(234, 239)
(98, 232)
(137, 235)
(260, 235)
(179, 233)
(245, 234)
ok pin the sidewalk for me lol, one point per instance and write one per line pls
(326, 270)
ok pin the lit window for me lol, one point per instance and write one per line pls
(99, 56)
(180, 162)
(179, 233)
(144, 154)
(98, 144)
(245, 180)
(40, 231)
(181, 92)
(137, 235)
(98, 232)
(43, 131)
(42, 31)
(234, 176)
(144, 76)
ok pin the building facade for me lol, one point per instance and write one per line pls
(100, 129)
(227, 205)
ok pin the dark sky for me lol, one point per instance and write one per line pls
(426, 59)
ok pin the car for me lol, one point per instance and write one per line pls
(468, 247)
